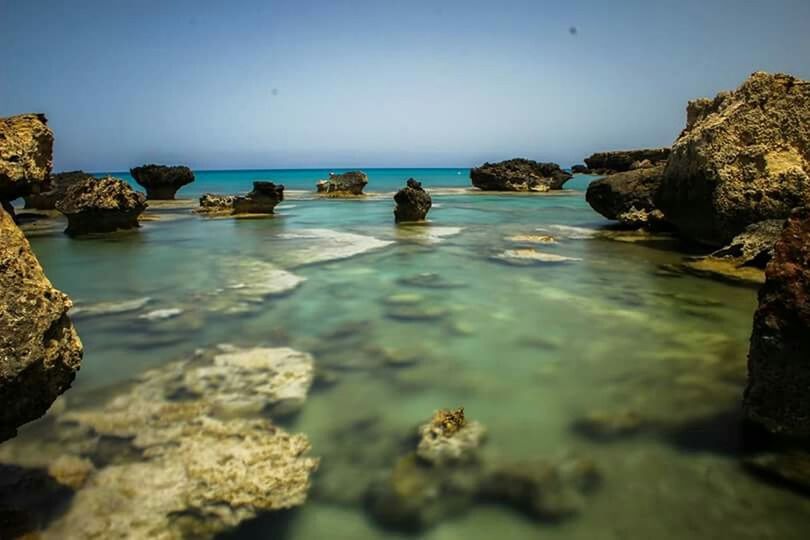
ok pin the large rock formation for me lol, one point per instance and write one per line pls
(628, 197)
(626, 160)
(104, 205)
(743, 158)
(262, 200)
(162, 182)
(26, 153)
(39, 349)
(45, 196)
(519, 175)
(348, 183)
(413, 202)
(778, 392)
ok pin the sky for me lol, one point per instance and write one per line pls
(373, 83)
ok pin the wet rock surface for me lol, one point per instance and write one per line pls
(40, 351)
(344, 184)
(26, 154)
(53, 189)
(754, 246)
(519, 175)
(626, 160)
(742, 159)
(779, 358)
(160, 181)
(263, 199)
(627, 197)
(100, 206)
(412, 202)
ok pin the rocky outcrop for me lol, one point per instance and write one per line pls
(754, 246)
(348, 183)
(449, 437)
(742, 159)
(626, 160)
(413, 202)
(99, 206)
(262, 200)
(627, 197)
(519, 175)
(580, 169)
(40, 351)
(26, 154)
(162, 182)
(46, 195)
(777, 395)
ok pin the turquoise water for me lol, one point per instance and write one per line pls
(528, 349)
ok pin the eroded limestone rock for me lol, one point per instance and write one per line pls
(519, 175)
(101, 206)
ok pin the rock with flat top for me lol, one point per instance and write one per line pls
(101, 206)
(162, 182)
(344, 184)
(626, 160)
(519, 175)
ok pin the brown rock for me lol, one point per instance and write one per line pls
(628, 197)
(162, 182)
(626, 160)
(99, 206)
(519, 175)
(46, 195)
(413, 202)
(26, 153)
(348, 183)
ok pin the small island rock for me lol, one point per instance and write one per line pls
(262, 200)
(98, 206)
(413, 202)
(626, 160)
(628, 197)
(46, 195)
(162, 182)
(348, 183)
(519, 175)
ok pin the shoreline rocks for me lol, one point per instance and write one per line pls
(53, 189)
(263, 199)
(26, 154)
(412, 202)
(608, 163)
(345, 184)
(627, 197)
(160, 181)
(101, 206)
(742, 159)
(40, 351)
(519, 175)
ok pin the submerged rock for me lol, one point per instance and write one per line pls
(627, 197)
(626, 160)
(449, 437)
(263, 199)
(40, 351)
(413, 202)
(348, 183)
(742, 159)
(162, 182)
(791, 468)
(605, 425)
(531, 255)
(108, 308)
(532, 239)
(779, 358)
(46, 195)
(99, 206)
(26, 154)
(519, 175)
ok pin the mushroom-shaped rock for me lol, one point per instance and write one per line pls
(413, 202)
(162, 182)
(348, 183)
(628, 197)
(98, 206)
(40, 351)
(262, 200)
(519, 175)
(742, 159)
(46, 195)
(626, 160)
(26, 154)
(777, 395)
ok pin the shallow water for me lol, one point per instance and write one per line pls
(527, 348)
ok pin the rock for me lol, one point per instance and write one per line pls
(532, 239)
(580, 169)
(162, 182)
(98, 206)
(519, 175)
(791, 468)
(108, 308)
(262, 200)
(779, 358)
(71, 471)
(607, 425)
(449, 438)
(26, 154)
(720, 269)
(348, 183)
(628, 197)
(742, 159)
(754, 246)
(45, 196)
(161, 314)
(40, 351)
(532, 256)
(212, 202)
(413, 202)
(626, 160)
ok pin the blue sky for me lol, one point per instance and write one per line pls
(311, 83)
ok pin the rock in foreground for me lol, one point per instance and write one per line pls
(626, 160)
(26, 153)
(627, 197)
(262, 200)
(413, 202)
(742, 159)
(162, 182)
(777, 395)
(53, 190)
(348, 183)
(39, 349)
(519, 175)
(99, 206)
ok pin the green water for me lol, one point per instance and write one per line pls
(527, 349)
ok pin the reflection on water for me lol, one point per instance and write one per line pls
(607, 357)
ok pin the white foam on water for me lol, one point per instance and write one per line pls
(320, 245)
(108, 308)
(569, 231)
